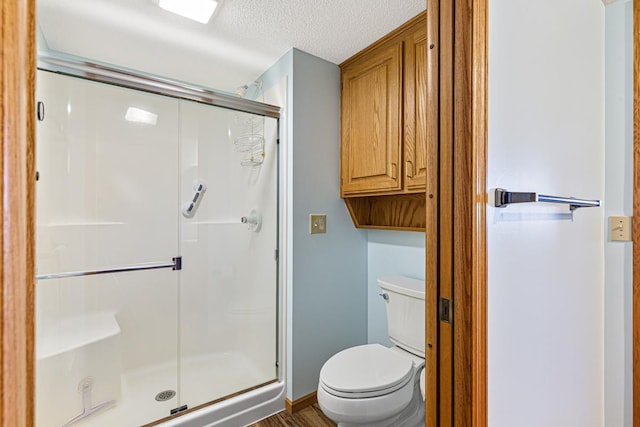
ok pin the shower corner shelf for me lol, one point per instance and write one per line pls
(78, 331)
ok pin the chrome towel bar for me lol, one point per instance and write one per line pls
(175, 265)
(502, 198)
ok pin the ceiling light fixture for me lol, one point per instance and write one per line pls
(198, 10)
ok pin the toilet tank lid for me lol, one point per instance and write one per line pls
(403, 285)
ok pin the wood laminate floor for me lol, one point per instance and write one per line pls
(310, 416)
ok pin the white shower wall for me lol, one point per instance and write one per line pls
(110, 195)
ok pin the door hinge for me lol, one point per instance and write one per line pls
(446, 310)
(276, 254)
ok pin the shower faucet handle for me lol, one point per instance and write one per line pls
(254, 220)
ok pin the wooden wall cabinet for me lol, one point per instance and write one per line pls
(371, 125)
(383, 159)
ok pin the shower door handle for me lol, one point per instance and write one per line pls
(175, 265)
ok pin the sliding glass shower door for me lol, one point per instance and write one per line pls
(227, 293)
(153, 296)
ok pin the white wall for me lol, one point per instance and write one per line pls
(545, 278)
(618, 357)
(390, 253)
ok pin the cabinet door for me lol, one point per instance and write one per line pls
(371, 122)
(415, 110)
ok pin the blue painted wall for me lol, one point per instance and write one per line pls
(332, 294)
(329, 270)
(326, 274)
(618, 283)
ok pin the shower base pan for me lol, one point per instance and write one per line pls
(138, 404)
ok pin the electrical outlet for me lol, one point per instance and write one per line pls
(317, 223)
(620, 228)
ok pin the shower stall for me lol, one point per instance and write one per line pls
(157, 251)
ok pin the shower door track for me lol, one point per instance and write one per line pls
(79, 67)
(175, 265)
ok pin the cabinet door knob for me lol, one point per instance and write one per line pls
(409, 168)
(394, 170)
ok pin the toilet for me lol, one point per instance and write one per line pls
(376, 386)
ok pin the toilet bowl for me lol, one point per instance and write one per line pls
(376, 386)
(372, 385)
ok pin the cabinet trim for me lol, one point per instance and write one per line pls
(398, 32)
(415, 110)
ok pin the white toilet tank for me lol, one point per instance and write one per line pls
(405, 312)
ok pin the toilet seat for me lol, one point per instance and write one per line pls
(365, 371)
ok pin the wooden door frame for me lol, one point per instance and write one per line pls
(17, 77)
(470, 35)
(17, 280)
(479, 146)
(636, 215)
(476, 371)
(469, 212)
(461, 200)
(457, 37)
(432, 235)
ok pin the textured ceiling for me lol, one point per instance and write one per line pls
(244, 38)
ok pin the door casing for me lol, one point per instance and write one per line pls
(456, 246)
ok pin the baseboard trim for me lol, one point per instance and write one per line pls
(301, 403)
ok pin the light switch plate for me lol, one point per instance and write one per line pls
(620, 228)
(317, 223)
